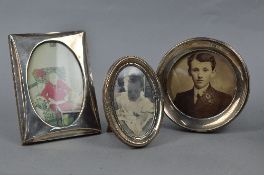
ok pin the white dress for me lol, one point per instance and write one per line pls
(135, 114)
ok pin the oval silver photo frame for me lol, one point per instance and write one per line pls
(205, 83)
(133, 101)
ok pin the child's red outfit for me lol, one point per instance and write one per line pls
(57, 93)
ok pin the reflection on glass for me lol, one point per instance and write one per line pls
(134, 101)
(55, 84)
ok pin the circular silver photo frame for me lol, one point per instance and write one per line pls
(205, 83)
(133, 101)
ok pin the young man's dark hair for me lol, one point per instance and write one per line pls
(202, 57)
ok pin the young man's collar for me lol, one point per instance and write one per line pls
(200, 91)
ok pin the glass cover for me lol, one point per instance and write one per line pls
(134, 103)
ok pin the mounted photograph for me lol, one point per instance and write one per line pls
(207, 84)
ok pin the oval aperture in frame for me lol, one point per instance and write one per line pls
(133, 98)
(55, 84)
(133, 101)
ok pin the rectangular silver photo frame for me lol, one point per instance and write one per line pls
(54, 93)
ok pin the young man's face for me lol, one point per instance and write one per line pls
(133, 90)
(201, 73)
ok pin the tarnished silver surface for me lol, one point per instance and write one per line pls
(32, 128)
(108, 100)
(242, 83)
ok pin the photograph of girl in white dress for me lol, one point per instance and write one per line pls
(133, 101)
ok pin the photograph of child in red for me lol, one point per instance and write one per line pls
(54, 102)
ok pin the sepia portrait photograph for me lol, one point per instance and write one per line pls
(55, 84)
(133, 100)
(202, 84)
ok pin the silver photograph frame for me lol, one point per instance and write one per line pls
(32, 128)
(242, 84)
(108, 100)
